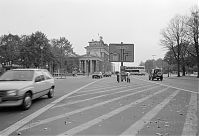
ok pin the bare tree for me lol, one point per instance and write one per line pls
(193, 32)
(174, 36)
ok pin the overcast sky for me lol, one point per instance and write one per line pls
(128, 21)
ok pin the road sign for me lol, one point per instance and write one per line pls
(121, 52)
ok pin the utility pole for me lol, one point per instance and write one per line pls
(42, 47)
(122, 54)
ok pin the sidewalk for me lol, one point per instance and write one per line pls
(187, 77)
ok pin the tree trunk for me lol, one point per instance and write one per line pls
(178, 57)
(183, 70)
(183, 67)
(178, 68)
(198, 65)
(197, 55)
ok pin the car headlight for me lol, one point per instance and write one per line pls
(12, 92)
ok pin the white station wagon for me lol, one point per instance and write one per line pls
(18, 87)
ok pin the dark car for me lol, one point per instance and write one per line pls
(97, 75)
(107, 74)
(156, 74)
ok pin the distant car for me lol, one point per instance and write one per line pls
(18, 87)
(97, 75)
(107, 74)
(156, 74)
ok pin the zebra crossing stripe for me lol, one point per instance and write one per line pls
(190, 126)
(96, 92)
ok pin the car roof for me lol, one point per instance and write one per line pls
(28, 69)
(156, 68)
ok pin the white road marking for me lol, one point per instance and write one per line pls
(27, 119)
(28, 126)
(190, 126)
(168, 86)
(138, 125)
(98, 86)
(93, 122)
(91, 90)
(79, 101)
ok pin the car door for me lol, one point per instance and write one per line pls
(49, 81)
(39, 84)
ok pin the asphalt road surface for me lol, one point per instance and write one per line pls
(85, 106)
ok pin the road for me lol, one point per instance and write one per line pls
(85, 106)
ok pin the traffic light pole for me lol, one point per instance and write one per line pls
(121, 63)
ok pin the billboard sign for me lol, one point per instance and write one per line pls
(121, 52)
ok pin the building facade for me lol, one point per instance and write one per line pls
(96, 58)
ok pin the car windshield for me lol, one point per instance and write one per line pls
(17, 75)
(157, 70)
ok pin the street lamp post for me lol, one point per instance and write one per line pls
(168, 67)
(61, 60)
(153, 60)
(41, 47)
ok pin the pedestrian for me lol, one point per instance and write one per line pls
(73, 73)
(118, 77)
(128, 77)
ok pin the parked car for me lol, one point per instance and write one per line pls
(107, 74)
(18, 87)
(156, 74)
(97, 75)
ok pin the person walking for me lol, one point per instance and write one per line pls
(128, 77)
(118, 77)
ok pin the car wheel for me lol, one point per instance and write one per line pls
(27, 101)
(51, 93)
